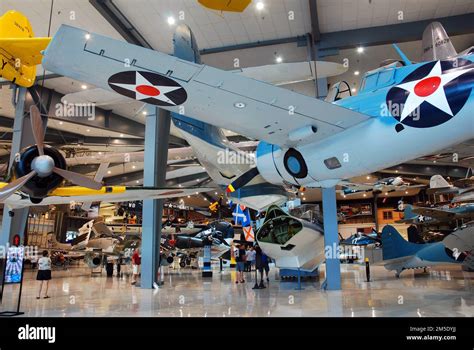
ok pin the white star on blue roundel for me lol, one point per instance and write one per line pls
(432, 94)
(152, 88)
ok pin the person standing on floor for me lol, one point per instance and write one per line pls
(265, 264)
(259, 266)
(239, 254)
(44, 274)
(250, 259)
(136, 262)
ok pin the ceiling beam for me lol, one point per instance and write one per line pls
(313, 11)
(427, 170)
(119, 21)
(394, 33)
(138, 175)
(300, 40)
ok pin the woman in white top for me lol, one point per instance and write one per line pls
(44, 273)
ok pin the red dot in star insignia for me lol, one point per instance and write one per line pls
(427, 86)
(148, 90)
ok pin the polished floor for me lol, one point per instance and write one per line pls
(443, 291)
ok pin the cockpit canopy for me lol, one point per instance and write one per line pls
(278, 227)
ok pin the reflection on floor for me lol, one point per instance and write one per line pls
(442, 291)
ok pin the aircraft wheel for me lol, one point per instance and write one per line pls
(182, 264)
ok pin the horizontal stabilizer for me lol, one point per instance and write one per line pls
(27, 50)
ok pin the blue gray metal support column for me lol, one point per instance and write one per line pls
(14, 221)
(331, 241)
(157, 132)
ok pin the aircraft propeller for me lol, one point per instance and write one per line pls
(43, 165)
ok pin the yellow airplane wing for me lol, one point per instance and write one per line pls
(26, 50)
(113, 194)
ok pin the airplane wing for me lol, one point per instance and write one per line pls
(275, 74)
(435, 213)
(66, 195)
(231, 101)
(26, 49)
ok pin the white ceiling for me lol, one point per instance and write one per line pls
(213, 28)
(77, 13)
(338, 15)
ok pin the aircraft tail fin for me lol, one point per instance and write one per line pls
(20, 51)
(437, 181)
(395, 246)
(436, 43)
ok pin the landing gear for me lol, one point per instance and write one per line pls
(397, 274)
(182, 263)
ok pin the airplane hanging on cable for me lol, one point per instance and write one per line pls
(39, 171)
(385, 185)
(400, 113)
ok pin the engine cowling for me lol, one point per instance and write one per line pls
(279, 166)
(93, 260)
(39, 187)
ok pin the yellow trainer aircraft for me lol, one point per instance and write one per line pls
(20, 51)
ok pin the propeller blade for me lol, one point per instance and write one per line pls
(78, 179)
(15, 185)
(37, 127)
(242, 180)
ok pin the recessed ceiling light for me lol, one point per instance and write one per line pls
(396, 171)
(360, 49)
(109, 172)
(368, 177)
(386, 193)
(189, 196)
(304, 198)
(180, 185)
(87, 36)
(356, 72)
(100, 153)
(260, 5)
(61, 123)
(365, 195)
(171, 20)
(239, 105)
(83, 86)
(406, 192)
(354, 90)
(138, 181)
(215, 192)
(279, 59)
(88, 130)
(144, 112)
(133, 166)
(121, 135)
(197, 192)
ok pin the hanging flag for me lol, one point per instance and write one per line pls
(241, 215)
(249, 235)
